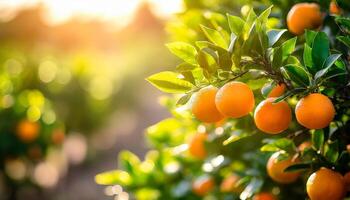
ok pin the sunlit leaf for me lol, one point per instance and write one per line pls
(170, 82)
(184, 51)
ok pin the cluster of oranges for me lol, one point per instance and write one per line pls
(236, 99)
(323, 184)
(308, 16)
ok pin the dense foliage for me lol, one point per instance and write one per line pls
(298, 126)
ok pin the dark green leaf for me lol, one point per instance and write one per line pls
(307, 56)
(320, 50)
(345, 40)
(317, 138)
(297, 74)
(298, 167)
(332, 151)
(344, 23)
(327, 65)
(310, 37)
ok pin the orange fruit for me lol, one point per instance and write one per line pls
(278, 90)
(275, 169)
(264, 196)
(347, 180)
(235, 99)
(204, 107)
(27, 131)
(315, 111)
(203, 185)
(334, 8)
(272, 118)
(304, 16)
(196, 146)
(229, 184)
(304, 145)
(325, 184)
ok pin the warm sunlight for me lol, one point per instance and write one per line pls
(117, 11)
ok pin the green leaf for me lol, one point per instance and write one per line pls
(288, 94)
(279, 144)
(297, 74)
(215, 37)
(267, 88)
(170, 82)
(317, 138)
(282, 52)
(232, 43)
(288, 47)
(236, 24)
(277, 58)
(236, 136)
(206, 62)
(184, 99)
(344, 23)
(184, 51)
(263, 17)
(345, 40)
(113, 178)
(275, 35)
(310, 37)
(327, 65)
(183, 67)
(332, 151)
(128, 161)
(298, 167)
(320, 50)
(307, 57)
(249, 24)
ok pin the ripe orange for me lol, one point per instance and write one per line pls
(278, 90)
(204, 107)
(304, 145)
(304, 16)
(264, 196)
(334, 8)
(203, 185)
(229, 184)
(325, 184)
(315, 111)
(347, 180)
(196, 146)
(235, 99)
(272, 117)
(276, 168)
(27, 131)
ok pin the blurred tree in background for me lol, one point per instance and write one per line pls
(60, 84)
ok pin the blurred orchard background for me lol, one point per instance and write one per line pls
(72, 90)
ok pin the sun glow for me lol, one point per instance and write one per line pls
(117, 11)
